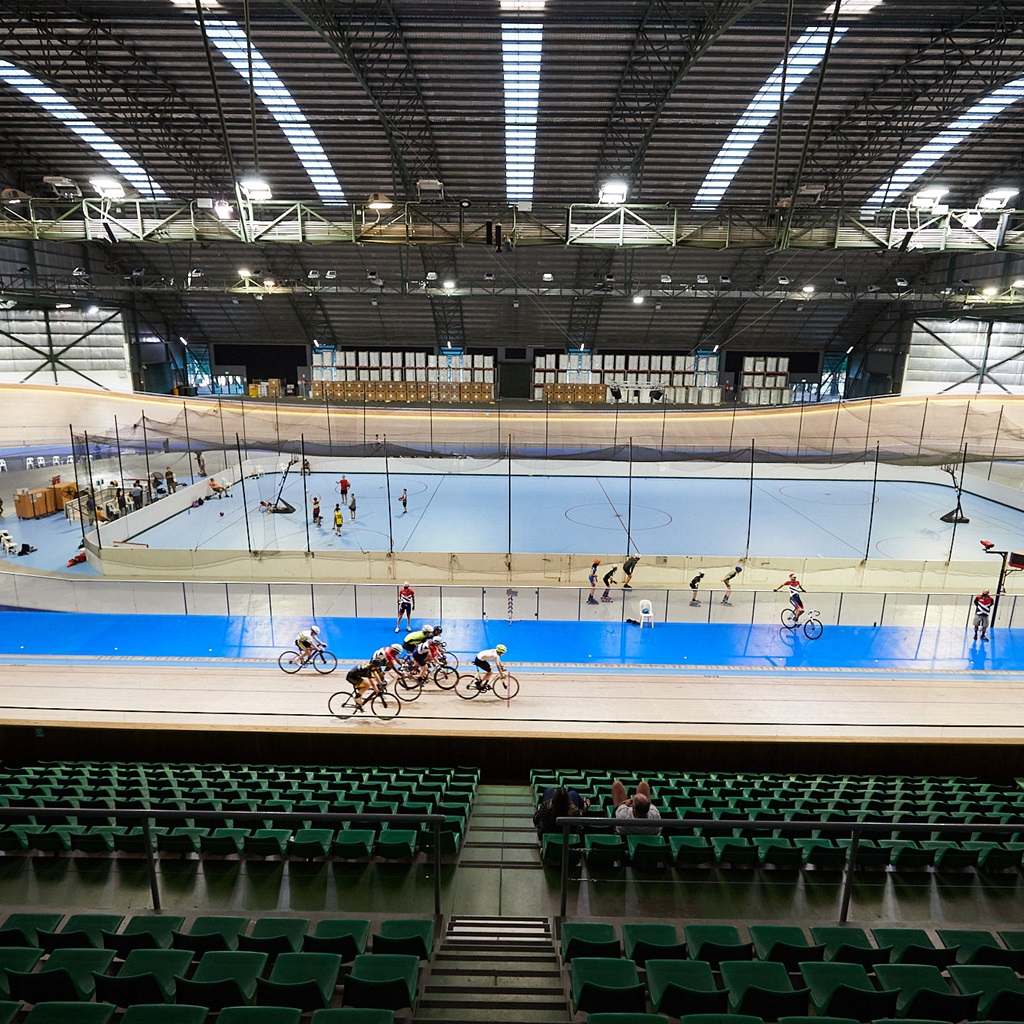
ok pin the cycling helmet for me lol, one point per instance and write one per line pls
(501, 648)
(397, 648)
(314, 630)
(739, 568)
(792, 575)
(428, 629)
(438, 631)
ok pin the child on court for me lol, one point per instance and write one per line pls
(592, 579)
(352, 504)
(694, 584)
(403, 499)
(343, 486)
(727, 580)
(318, 519)
(609, 581)
(339, 518)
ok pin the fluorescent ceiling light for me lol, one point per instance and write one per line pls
(229, 38)
(521, 46)
(522, 6)
(957, 131)
(256, 189)
(852, 7)
(808, 289)
(71, 117)
(613, 192)
(803, 58)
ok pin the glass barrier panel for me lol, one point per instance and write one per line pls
(860, 609)
(292, 599)
(680, 608)
(951, 611)
(334, 600)
(496, 602)
(562, 604)
(245, 599)
(1011, 613)
(149, 597)
(205, 599)
(903, 610)
(380, 601)
(459, 603)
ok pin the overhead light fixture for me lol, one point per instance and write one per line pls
(702, 279)
(990, 290)
(609, 278)
(715, 349)
(657, 394)
(331, 275)
(79, 272)
(997, 198)
(223, 210)
(184, 341)
(783, 281)
(429, 188)
(256, 190)
(849, 350)
(902, 282)
(379, 201)
(431, 275)
(929, 198)
(316, 344)
(93, 309)
(964, 282)
(515, 303)
(547, 277)
(971, 218)
(808, 289)
(666, 278)
(269, 282)
(840, 282)
(638, 300)
(373, 302)
(448, 284)
(613, 192)
(522, 6)
(63, 187)
(107, 187)
(488, 275)
(313, 275)
(63, 305)
(13, 196)
(724, 279)
(1019, 283)
(244, 272)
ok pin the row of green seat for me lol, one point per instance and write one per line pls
(788, 945)
(161, 1013)
(346, 937)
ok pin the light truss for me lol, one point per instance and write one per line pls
(622, 227)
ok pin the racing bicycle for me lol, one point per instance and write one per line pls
(503, 686)
(323, 661)
(381, 704)
(811, 621)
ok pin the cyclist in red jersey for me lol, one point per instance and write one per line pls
(795, 590)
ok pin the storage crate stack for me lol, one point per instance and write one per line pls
(765, 380)
(683, 380)
(401, 377)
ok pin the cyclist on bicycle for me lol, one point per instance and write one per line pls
(308, 644)
(795, 590)
(389, 658)
(424, 655)
(364, 677)
(483, 662)
(417, 637)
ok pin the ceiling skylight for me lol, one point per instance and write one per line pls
(229, 38)
(90, 133)
(804, 57)
(939, 145)
(521, 46)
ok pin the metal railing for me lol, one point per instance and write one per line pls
(721, 826)
(147, 818)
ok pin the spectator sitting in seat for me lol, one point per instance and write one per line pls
(558, 803)
(635, 808)
(216, 488)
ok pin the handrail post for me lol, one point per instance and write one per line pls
(147, 839)
(564, 898)
(437, 869)
(851, 866)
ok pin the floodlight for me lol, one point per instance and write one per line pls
(223, 209)
(63, 187)
(244, 272)
(330, 275)
(379, 201)
(702, 279)
(609, 278)
(107, 188)
(449, 284)
(79, 272)
(269, 282)
(901, 282)
(997, 198)
(971, 218)
(63, 305)
(1019, 283)
(638, 300)
(928, 198)
(313, 275)
(613, 192)
(964, 282)
(256, 190)
(839, 281)
(93, 309)
(373, 302)
(431, 275)
(808, 289)
(657, 394)
(783, 281)
(725, 279)
(874, 288)
(13, 196)
(666, 278)
(429, 188)
(990, 290)
(488, 275)
(547, 277)
(515, 303)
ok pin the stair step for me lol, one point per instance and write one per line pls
(511, 1013)
(499, 984)
(512, 969)
(486, 1000)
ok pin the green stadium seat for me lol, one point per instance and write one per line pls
(353, 1015)
(822, 853)
(906, 855)
(164, 1014)
(601, 850)
(259, 1015)
(844, 990)
(224, 842)
(385, 981)
(606, 985)
(70, 1013)
(345, 936)
(310, 842)
(735, 851)
(588, 938)
(779, 853)
(977, 946)
(817, 1020)
(267, 842)
(653, 941)
(849, 945)
(146, 976)
(211, 933)
(689, 851)
(784, 944)
(993, 856)
(923, 993)
(913, 946)
(626, 1018)
(951, 855)
(1001, 990)
(143, 931)
(8, 1011)
(678, 987)
(97, 839)
(353, 843)
(302, 980)
(762, 989)
(133, 840)
(396, 843)
(56, 838)
(715, 943)
(182, 841)
(413, 936)
(66, 976)
(81, 931)
(21, 960)
(275, 935)
(222, 979)
(649, 852)
(719, 1018)
(21, 929)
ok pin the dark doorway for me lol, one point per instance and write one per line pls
(514, 380)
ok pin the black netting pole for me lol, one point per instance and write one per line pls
(664, 421)
(959, 515)
(145, 448)
(241, 480)
(92, 491)
(835, 430)
(78, 487)
(305, 492)
(732, 424)
(547, 417)
(220, 413)
(327, 415)
(387, 486)
(867, 429)
(498, 438)
(871, 516)
(750, 500)
(924, 418)
(615, 435)
(277, 423)
(430, 417)
(244, 435)
(364, 414)
(800, 424)
(510, 501)
(117, 441)
(629, 503)
(188, 442)
(995, 441)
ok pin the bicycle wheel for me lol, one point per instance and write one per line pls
(408, 688)
(789, 617)
(468, 687)
(445, 677)
(290, 662)
(813, 629)
(385, 705)
(325, 663)
(448, 660)
(505, 688)
(342, 704)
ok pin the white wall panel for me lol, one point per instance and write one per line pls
(965, 357)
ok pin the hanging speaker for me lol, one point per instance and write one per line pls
(489, 233)
(497, 236)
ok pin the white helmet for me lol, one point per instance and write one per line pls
(314, 630)
(397, 648)
(428, 629)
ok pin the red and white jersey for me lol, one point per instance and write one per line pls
(386, 656)
(983, 604)
(793, 586)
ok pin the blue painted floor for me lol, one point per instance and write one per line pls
(530, 643)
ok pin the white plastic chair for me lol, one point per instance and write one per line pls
(646, 613)
(55, 461)
(3, 466)
(70, 460)
(30, 463)
(8, 544)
